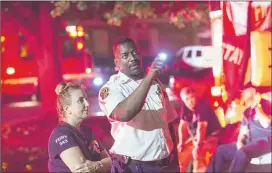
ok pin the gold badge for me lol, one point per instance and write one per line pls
(104, 93)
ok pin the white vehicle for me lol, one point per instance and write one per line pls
(201, 57)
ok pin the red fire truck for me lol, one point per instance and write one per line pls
(20, 69)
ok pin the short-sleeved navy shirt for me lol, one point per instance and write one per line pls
(63, 137)
(256, 131)
(204, 112)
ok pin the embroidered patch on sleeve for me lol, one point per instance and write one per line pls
(62, 140)
(104, 93)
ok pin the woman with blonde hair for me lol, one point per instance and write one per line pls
(72, 147)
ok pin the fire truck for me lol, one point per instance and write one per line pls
(20, 70)
(258, 68)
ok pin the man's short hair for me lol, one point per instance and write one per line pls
(121, 41)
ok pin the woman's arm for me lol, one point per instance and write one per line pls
(74, 159)
(104, 165)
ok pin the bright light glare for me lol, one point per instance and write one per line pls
(80, 28)
(73, 34)
(71, 28)
(171, 80)
(79, 45)
(100, 113)
(216, 91)
(98, 81)
(24, 104)
(88, 70)
(162, 56)
(2, 39)
(10, 71)
(216, 104)
(80, 33)
(168, 90)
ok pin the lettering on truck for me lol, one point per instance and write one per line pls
(232, 54)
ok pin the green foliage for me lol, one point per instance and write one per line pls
(179, 13)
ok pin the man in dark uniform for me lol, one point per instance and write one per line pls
(254, 138)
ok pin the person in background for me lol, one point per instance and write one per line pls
(254, 137)
(197, 120)
(72, 147)
(139, 111)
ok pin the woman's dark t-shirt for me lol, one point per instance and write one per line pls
(63, 137)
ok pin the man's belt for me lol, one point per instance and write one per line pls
(127, 160)
(153, 163)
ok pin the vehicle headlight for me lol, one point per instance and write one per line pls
(98, 81)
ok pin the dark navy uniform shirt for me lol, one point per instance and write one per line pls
(203, 112)
(63, 137)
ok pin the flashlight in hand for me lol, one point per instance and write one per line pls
(162, 56)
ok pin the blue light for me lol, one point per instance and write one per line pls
(98, 81)
(163, 56)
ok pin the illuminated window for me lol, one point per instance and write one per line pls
(23, 48)
(2, 45)
(23, 51)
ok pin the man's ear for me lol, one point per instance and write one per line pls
(117, 63)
